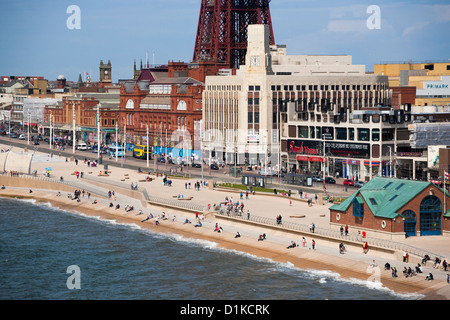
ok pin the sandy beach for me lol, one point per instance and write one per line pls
(353, 265)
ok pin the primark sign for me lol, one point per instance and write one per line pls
(437, 86)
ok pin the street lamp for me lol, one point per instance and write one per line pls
(74, 129)
(147, 149)
(29, 118)
(117, 146)
(51, 130)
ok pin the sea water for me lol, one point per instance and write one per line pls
(40, 245)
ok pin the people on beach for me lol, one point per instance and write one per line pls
(313, 244)
(303, 241)
(148, 217)
(279, 219)
(238, 235)
(365, 247)
(199, 224)
(95, 201)
(262, 237)
(429, 277)
(342, 249)
(394, 272)
(292, 245)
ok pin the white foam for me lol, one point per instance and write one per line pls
(321, 275)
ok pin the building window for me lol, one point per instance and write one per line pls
(429, 67)
(341, 134)
(358, 207)
(388, 134)
(312, 132)
(302, 131)
(256, 117)
(250, 117)
(375, 134)
(351, 134)
(319, 132)
(363, 134)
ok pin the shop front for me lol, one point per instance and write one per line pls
(343, 159)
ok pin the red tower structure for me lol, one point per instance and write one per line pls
(222, 29)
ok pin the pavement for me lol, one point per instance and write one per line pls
(292, 209)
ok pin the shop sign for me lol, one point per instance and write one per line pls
(332, 148)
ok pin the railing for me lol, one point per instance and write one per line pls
(334, 234)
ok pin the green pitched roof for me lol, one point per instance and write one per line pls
(385, 196)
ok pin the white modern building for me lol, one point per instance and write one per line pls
(273, 93)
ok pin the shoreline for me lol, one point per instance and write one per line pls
(302, 258)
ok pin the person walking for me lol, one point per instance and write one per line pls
(313, 244)
(365, 247)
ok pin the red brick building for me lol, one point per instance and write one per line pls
(402, 96)
(168, 100)
(395, 208)
(85, 115)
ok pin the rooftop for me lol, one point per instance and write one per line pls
(385, 196)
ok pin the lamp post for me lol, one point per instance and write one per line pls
(98, 131)
(29, 118)
(117, 145)
(9, 123)
(51, 130)
(147, 149)
(74, 129)
(390, 161)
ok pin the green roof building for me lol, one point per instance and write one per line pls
(395, 208)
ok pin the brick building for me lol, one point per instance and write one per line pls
(395, 208)
(167, 99)
(85, 115)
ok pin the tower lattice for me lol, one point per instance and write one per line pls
(222, 29)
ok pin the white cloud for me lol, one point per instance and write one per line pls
(357, 26)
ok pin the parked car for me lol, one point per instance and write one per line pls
(330, 180)
(214, 167)
(14, 135)
(161, 159)
(22, 137)
(348, 182)
(358, 184)
(317, 179)
(196, 165)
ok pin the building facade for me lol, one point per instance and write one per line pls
(248, 116)
(431, 80)
(86, 106)
(394, 209)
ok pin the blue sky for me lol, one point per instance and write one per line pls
(36, 41)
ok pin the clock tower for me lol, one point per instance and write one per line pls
(258, 58)
(105, 72)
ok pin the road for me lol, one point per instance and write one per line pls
(219, 175)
